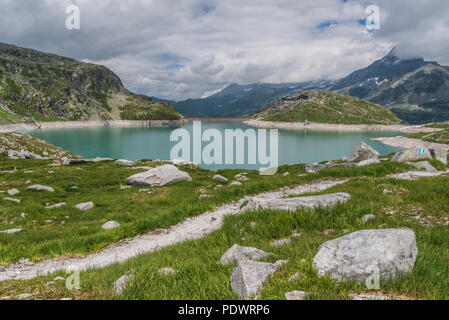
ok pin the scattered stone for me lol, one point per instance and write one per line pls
(48, 221)
(412, 154)
(55, 206)
(39, 187)
(241, 177)
(110, 225)
(286, 174)
(294, 277)
(204, 196)
(11, 231)
(414, 175)
(158, 177)
(280, 243)
(23, 215)
(24, 296)
(386, 191)
(296, 295)
(357, 255)
(12, 200)
(368, 162)
(239, 253)
(218, 186)
(120, 285)
(235, 184)
(249, 276)
(423, 165)
(68, 162)
(123, 162)
(182, 163)
(368, 217)
(59, 279)
(369, 297)
(85, 206)
(124, 187)
(166, 271)
(13, 192)
(363, 152)
(220, 178)
(293, 204)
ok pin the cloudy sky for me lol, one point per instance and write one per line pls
(178, 49)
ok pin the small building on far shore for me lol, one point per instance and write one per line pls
(289, 100)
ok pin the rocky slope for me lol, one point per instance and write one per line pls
(328, 107)
(36, 86)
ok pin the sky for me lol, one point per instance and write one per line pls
(180, 49)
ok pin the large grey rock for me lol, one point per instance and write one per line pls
(158, 177)
(412, 154)
(239, 253)
(220, 178)
(424, 165)
(363, 152)
(249, 276)
(440, 154)
(293, 204)
(39, 187)
(85, 206)
(358, 255)
(121, 284)
(123, 162)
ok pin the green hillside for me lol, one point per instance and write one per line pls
(36, 86)
(328, 107)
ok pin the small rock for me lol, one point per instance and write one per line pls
(24, 296)
(368, 217)
(85, 206)
(13, 192)
(294, 277)
(11, 231)
(55, 206)
(241, 177)
(39, 187)
(120, 285)
(59, 279)
(123, 162)
(204, 196)
(124, 187)
(386, 191)
(280, 243)
(110, 225)
(239, 253)
(220, 178)
(368, 297)
(235, 184)
(166, 271)
(286, 174)
(296, 295)
(12, 200)
(423, 165)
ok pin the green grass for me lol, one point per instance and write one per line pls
(200, 276)
(441, 136)
(328, 107)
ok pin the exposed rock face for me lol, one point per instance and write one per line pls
(249, 276)
(293, 204)
(296, 295)
(363, 152)
(413, 175)
(39, 187)
(238, 253)
(121, 284)
(158, 177)
(123, 162)
(110, 225)
(424, 165)
(359, 255)
(220, 178)
(439, 154)
(412, 154)
(85, 206)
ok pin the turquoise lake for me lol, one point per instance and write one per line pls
(135, 143)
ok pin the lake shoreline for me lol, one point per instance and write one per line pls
(23, 127)
(337, 127)
(406, 143)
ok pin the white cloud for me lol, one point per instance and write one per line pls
(181, 49)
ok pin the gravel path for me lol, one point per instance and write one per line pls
(190, 229)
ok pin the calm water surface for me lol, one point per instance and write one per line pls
(295, 146)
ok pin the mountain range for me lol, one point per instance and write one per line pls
(417, 91)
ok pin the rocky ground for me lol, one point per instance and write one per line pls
(170, 230)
